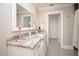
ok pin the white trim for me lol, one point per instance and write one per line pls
(61, 13)
(67, 47)
(14, 16)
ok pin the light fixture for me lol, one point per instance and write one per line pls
(51, 4)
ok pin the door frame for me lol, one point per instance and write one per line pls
(61, 18)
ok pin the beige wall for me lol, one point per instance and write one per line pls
(68, 14)
(5, 25)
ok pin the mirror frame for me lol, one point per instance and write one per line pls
(14, 27)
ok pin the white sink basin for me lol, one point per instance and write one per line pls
(31, 42)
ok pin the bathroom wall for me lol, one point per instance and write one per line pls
(5, 25)
(68, 22)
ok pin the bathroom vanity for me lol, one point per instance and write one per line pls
(25, 39)
(34, 44)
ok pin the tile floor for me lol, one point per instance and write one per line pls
(55, 50)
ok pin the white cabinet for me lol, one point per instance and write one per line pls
(16, 51)
(38, 50)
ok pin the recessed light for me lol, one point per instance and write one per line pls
(51, 4)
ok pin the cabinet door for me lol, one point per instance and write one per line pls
(16, 51)
(39, 49)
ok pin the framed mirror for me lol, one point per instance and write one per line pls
(24, 18)
(20, 16)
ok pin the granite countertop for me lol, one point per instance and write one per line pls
(28, 42)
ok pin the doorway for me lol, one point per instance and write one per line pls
(55, 27)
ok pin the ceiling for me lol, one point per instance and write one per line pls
(44, 5)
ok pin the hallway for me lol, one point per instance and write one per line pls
(55, 50)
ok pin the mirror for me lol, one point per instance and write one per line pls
(23, 17)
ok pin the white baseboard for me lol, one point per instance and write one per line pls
(67, 47)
